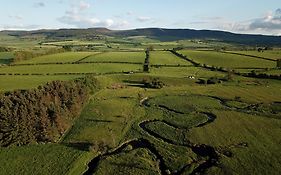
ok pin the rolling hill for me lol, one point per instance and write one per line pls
(154, 33)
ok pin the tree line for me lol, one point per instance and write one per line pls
(146, 61)
(42, 114)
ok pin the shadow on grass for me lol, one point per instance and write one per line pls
(134, 83)
(82, 146)
(99, 121)
(129, 165)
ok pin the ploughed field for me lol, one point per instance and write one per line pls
(185, 127)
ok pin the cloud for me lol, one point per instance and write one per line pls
(17, 17)
(39, 4)
(144, 19)
(268, 24)
(84, 5)
(130, 13)
(271, 21)
(77, 16)
(19, 27)
(76, 19)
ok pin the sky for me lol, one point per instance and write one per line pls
(239, 16)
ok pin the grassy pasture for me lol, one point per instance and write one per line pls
(184, 72)
(5, 57)
(9, 83)
(109, 119)
(74, 42)
(40, 159)
(114, 114)
(69, 68)
(272, 54)
(134, 57)
(138, 162)
(227, 60)
(262, 156)
(165, 57)
(58, 58)
(271, 72)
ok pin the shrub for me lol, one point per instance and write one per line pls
(153, 83)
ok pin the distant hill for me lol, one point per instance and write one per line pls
(155, 33)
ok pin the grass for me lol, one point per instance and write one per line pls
(139, 161)
(184, 72)
(58, 58)
(227, 60)
(189, 103)
(165, 57)
(69, 68)
(5, 57)
(114, 113)
(109, 119)
(271, 72)
(133, 57)
(272, 54)
(38, 159)
(261, 134)
(10, 83)
(75, 43)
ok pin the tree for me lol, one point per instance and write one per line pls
(67, 47)
(279, 63)
(150, 48)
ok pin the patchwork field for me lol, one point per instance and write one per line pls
(272, 54)
(184, 127)
(131, 57)
(59, 58)
(10, 83)
(227, 60)
(166, 58)
(69, 68)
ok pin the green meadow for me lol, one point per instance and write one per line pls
(59, 58)
(272, 54)
(131, 57)
(166, 58)
(126, 127)
(6, 57)
(227, 60)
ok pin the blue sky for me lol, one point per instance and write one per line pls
(240, 16)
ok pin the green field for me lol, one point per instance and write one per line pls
(231, 127)
(184, 72)
(132, 57)
(227, 60)
(6, 57)
(166, 58)
(9, 83)
(74, 42)
(272, 54)
(42, 159)
(271, 72)
(59, 58)
(69, 68)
